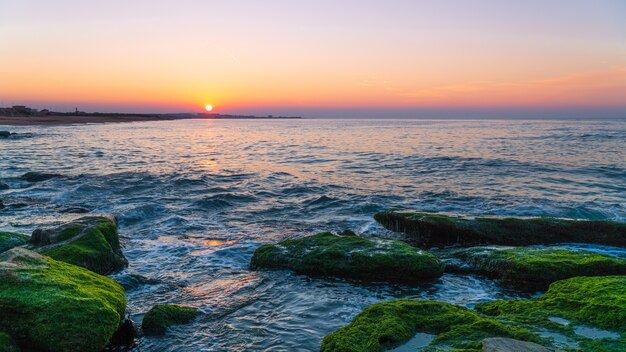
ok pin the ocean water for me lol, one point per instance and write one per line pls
(194, 198)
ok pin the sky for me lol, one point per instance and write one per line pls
(323, 58)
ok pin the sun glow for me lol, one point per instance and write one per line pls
(208, 107)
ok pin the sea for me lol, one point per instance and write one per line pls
(195, 198)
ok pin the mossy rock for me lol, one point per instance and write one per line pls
(391, 323)
(162, 316)
(599, 302)
(9, 240)
(427, 229)
(35, 176)
(90, 242)
(48, 305)
(532, 268)
(326, 254)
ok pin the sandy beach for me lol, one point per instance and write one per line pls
(68, 120)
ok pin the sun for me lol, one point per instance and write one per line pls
(208, 107)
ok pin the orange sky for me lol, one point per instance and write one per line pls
(299, 57)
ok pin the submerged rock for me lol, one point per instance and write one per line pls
(532, 268)
(598, 302)
(38, 176)
(349, 256)
(391, 323)
(162, 316)
(90, 242)
(435, 229)
(48, 305)
(5, 134)
(502, 344)
(9, 240)
(3, 186)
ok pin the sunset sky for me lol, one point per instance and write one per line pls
(324, 58)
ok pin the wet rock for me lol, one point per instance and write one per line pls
(531, 268)
(1, 204)
(89, 242)
(39, 176)
(501, 344)
(9, 240)
(48, 305)
(595, 302)
(426, 229)
(326, 254)
(347, 233)
(392, 323)
(74, 210)
(3, 186)
(125, 334)
(5, 134)
(133, 281)
(162, 316)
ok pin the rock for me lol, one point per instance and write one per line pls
(501, 344)
(388, 324)
(162, 316)
(7, 344)
(5, 134)
(38, 176)
(434, 229)
(1, 204)
(326, 254)
(532, 268)
(125, 334)
(347, 233)
(3, 186)
(598, 302)
(74, 210)
(133, 281)
(90, 242)
(9, 240)
(48, 305)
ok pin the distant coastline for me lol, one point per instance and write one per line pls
(24, 116)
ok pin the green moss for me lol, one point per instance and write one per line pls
(91, 242)
(162, 316)
(434, 229)
(7, 344)
(49, 305)
(534, 269)
(9, 240)
(594, 301)
(391, 323)
(349, 256)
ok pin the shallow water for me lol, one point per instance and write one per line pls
(195, 198)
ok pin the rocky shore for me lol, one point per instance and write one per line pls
(55, 295)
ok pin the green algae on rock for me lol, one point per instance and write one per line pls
(48, 305)
(162, 316)
(390, 323)
(90, 242)
(532, 268)
(428, 229)
(9, 240)
(326, 254)
(590, 301)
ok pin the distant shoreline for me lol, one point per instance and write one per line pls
(70, 119)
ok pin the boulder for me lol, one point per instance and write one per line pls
(426, 229)
(125, 334)
(392, 323)
(531, 268)
(48, 305)
(502, 344)
(9, 240)
(38, 176)
(326, 254)
(162, 316)
(596, 302)
(90, 242)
